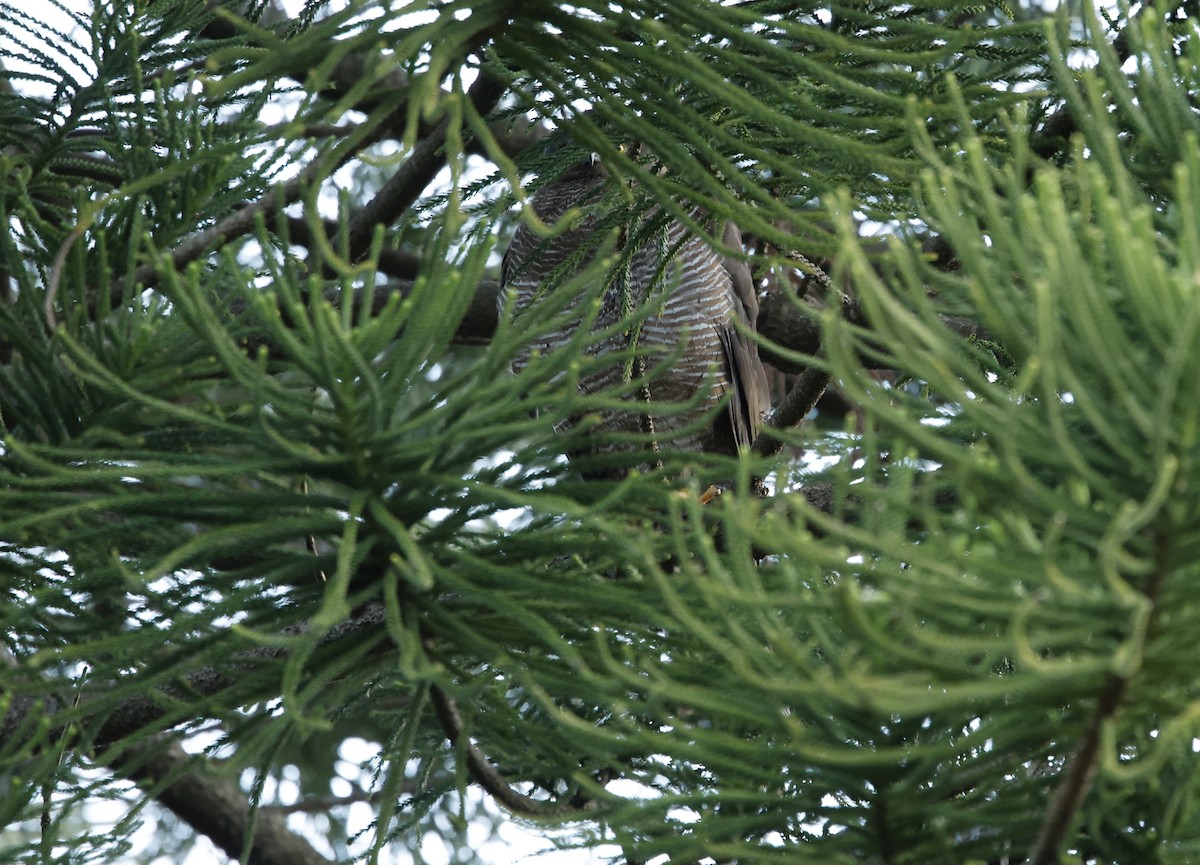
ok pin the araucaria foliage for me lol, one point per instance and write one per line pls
(272, 495)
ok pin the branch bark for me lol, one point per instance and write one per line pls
(138, 713)
(800, 400)
(512, 134)
(427, 158)
(1080, 771)
(213, 805)
(781, 321)
(396, 196)
(484, 773)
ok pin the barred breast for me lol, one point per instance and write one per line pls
(693, 305)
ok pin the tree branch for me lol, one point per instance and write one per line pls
(478, 325)
(428, 157)
(782, 322)
(485, 774)
(1052, 138)
(1080, 770)
(236, 225)
(513, 134)
(138, 713)
(212, 805)
(1076, 778)
(393, 262)
(397, 195)
(800, 400)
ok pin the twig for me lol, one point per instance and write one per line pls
(1076, 779)
(484, 773)
(56, 270)
(1080, 771)
(318, 804)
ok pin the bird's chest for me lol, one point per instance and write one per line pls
(660, 319)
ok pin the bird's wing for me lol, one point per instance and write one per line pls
(751, 398)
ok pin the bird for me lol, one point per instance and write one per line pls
(704, 306)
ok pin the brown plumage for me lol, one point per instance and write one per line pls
(703, 295)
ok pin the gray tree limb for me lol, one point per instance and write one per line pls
(213, 805)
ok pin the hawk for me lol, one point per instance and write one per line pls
(696, 300)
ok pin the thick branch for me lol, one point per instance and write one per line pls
(1052, 138)
(418, 171)
(800, 400)
(213, 805)
(146, 710)
(780, 321)
(514, 135)
(236, 225)
(478, 324)
(783, 322)
(393, 262)
(396, 196)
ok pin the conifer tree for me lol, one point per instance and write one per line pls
(268, 484)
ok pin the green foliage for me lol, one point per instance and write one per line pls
(250, 497)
